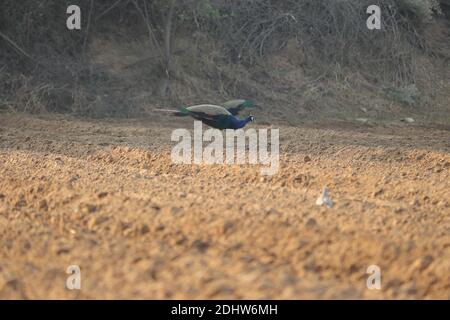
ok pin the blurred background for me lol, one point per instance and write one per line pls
(299, 59)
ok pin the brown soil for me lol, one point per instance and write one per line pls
(104, 195)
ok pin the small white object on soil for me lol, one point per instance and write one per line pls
(409, 120)
(324, 198)
(362, 120)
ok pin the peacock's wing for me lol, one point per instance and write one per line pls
(219, 122)
(212, 115)
(237, 105)
(208, 111)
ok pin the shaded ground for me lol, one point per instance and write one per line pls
(104, 195)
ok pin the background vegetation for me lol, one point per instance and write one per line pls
(305, 55)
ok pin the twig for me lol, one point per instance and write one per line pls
(150, 30)
(87, 28)
(167, 37)
(20, 50)
(109, 9)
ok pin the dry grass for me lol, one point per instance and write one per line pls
(311, 56)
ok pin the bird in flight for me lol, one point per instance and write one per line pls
(215, 116)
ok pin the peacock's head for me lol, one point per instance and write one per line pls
(251, 118)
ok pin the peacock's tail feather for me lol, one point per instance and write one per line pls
(182, 112)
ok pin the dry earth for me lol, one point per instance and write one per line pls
(104, 195)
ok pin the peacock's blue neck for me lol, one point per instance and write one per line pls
(238, 123)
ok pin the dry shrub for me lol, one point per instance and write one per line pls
(247, 47)
(330, 33)
(422, 10)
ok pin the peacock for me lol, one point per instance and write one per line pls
(219, 117)
(214, 116)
